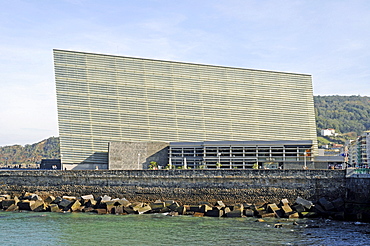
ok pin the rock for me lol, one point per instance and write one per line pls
(204, 208)
(70, 198)
(104, 198)
(215, 212)
(144, 209)
(157, 205)
(8, 202)
(173, 213)
(169, 203)
(49, 199)
(129, 210)
(54, 208)
(249, 212)
(181, 210)
(12, 208)
(278, 225)
(100, 211)
(87, 197)
(284, 202)
(90, 203)
(76, 206)
(286, 209)
(194, 208)
(57, 200)
(64, 204)
(174, 206)
(5, 196)
(25, 205)
(260, 220)
(38, 206)
(272, 207)
(305, 203)
(235, 213)
(198, 214)
(118, 210)
(298, 208)
(220, 204)
(309, 214)
(326, 204)
(123, 201)
(226, 210)
(266, 215)
(188, 213)
(338, 204)
(294, 216)
(165, 210)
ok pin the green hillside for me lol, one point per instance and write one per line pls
(29, 154)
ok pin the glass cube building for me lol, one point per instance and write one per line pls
(107, 98)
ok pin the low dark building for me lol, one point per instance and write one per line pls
(51, 164)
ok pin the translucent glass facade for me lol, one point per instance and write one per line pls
(104, 98)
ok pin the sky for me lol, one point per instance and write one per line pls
(329, 40)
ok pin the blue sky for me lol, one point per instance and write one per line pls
(328, 39)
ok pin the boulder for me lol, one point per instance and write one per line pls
(249, 212)
(49, 199)
(8, 202)
(305, 203)
(64, 204)
(198, 214)
(215, 212)
(298, 208)
(194, 208)
(87, 197)
(157, 206)
(70, 198)
(54, 208)
(76, 206)
(12, 208)
(294, 216)
(204, 208)
(123, 201)
(326, 204)
(220, 204)
(174, 206)
(235, 213)
(286, 208)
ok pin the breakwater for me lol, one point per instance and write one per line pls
(185, 186)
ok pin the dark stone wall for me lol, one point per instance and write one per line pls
(186, 186)
(136, 155)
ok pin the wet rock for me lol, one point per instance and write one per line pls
(278, 225)
(12, 208)
(305, 203)
(215, 212)
(87, 197)
(235, 213)
(198, 214)
(294, 216)
(64, 204)
(8, 202)
(326, 204)
(54, 208)
(49, 199)
(173, 213)
(249, 212)
(298, 208)
(76, 206)
(260, 220)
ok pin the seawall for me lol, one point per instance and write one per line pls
(186, 186)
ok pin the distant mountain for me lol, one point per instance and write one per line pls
(346, 114)
(29, 154)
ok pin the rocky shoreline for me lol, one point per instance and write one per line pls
(300, 208)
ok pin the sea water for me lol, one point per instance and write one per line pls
(29, 228)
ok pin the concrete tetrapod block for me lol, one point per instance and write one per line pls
(248, 212)
(326, 204)
(54, 208)
(64, 204)
(215, 212)
(76, 206)
(12, 208)
(286, 208)
(305, 203)
(204, 208)
(87, 197)
(272, 207)
(235, 213)
(49, 199)
(123, 201)
(8, 202)
(198, 214)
